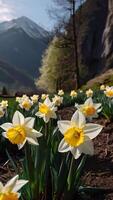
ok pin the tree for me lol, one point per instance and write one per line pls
(69, 8)
(60, 66)
(56, 71)
(4, 91)
(50, 70)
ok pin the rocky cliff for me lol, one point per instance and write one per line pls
(94, 29)
(108, 38)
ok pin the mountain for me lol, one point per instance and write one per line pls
(27, 25)
(22, 43)
(13, 79)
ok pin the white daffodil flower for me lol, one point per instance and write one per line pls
(89, 93)
(35, 98)
(78, 135)
(89, 109)
(10, 190)
(21, 130)
(44, 96)
(73, 94)
(4, 104)
(60, 92)
(109, 91)
(57, 100)
(26, 104)
(102, 87)
(47, 110)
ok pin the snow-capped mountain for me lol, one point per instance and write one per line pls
(22, 44)
(29, 27)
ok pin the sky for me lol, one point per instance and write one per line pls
(37, 10)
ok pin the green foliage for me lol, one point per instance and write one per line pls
(50, 70)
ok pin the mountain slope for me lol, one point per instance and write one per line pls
(13, 78)
(21, 50)
(22, 43)
(105, 78)
(30, 27)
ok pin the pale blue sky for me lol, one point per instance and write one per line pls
(34, 9)
(37, 10)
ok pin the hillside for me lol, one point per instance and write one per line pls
(105, 78)
(13, 78)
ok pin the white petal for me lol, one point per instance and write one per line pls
(10, 184)
(92, 130)
(87, 147)
(32, 140)
(21, 145)
(4, 134)
(39, 114)
(89, 102)
(1, 187)
(36, 133)
(18, 118)
(63, 146)
(64, 125)
(97, 105)
(79, 119)
(46, 119)
(6, 126)
(53, 115)
(48, 102)
(19, 184)
(76, 152)
(29, 122)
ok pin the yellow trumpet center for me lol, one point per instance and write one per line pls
(9, 196)
(16, 135)
(44, 109)
(74, 136)
(109, 93)
(89, 110)
(26, 105)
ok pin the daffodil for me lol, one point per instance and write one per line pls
(44, 96)
(4, 104)
(21, 130)
(78, 135)
(10, 190)
(73, 93)
(102, 87)
(35, 98)
(57, 100)
(89, 109)
(26, 104)
(60, 92)
(18, 99)
(89, 93)
(109, 91)
(46, 110)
